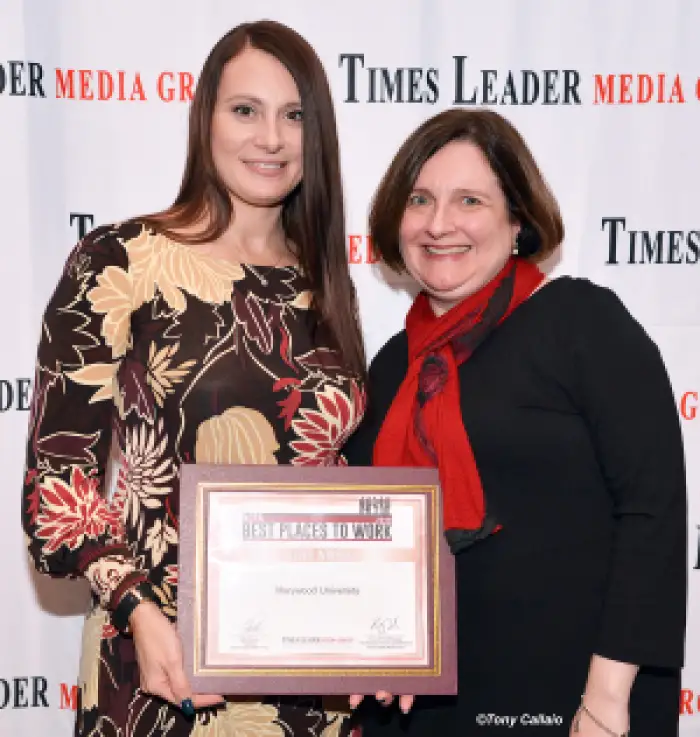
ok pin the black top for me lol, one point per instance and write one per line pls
(576, 436)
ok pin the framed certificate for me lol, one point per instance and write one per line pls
(298, 580)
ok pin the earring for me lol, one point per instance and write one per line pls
(515, 245)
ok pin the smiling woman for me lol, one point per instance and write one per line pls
(456, 233)
(205, 334)
(257, 143)
(564, 497)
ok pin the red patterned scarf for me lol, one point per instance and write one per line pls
(424, 425)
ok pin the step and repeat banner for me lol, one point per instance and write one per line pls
(93, 112)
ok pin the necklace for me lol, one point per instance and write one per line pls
(262, 272)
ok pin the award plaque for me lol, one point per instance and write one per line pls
(315, 580)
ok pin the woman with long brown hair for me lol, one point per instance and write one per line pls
(202, 333)
(564, 494)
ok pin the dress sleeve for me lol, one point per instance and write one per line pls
(627, 401)
(72, 529)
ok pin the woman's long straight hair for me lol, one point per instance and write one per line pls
(313, 215)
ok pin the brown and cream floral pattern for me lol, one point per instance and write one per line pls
(180, 357)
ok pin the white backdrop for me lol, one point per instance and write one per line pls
(607, 154)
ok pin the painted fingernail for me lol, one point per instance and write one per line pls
(187, 708)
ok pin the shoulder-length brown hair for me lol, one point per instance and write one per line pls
(313, 215)
(529, 199)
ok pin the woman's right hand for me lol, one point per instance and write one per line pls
(159, 655)
(385, 698)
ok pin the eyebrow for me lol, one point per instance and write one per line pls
(458, 190)
(256, 100)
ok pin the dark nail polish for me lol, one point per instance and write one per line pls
(187, 708)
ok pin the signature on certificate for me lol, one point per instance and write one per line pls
(385, 625)
(251, 631)
(386, 633)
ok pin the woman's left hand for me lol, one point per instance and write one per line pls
(612, 713)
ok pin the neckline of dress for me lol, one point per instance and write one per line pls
(218, 259)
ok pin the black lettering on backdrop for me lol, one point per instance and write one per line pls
(14, 692)
(352, 60)
(653, 251)
(20, 701)
(403, 84)
(15, 395)
(85, 222)
(378, 84)
(22, 79)
(39, 695)
(7, 395)
(459, 83)
(17, 87)
(516, 87)
(23, 387)
(674, 248)
(393, 86)
(387, 84)
(651, 247)
(612, 237)
(36, 75)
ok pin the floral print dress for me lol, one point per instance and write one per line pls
(167, 355)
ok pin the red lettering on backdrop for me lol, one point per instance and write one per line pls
(69, 697)
(686, 701)
(645, 88)
(105, 85)
(372, 255)
(689, 703)
(677, 90)
(167, 88)
(106, 82)
(137, 91)
(626, 94)
(85, 76)
(121, 94)
(354, 255)
(65, 86)
(689, 405)
(361, 250)
(186, 85)
(166, 95)
(626, 89)
(604, 89)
